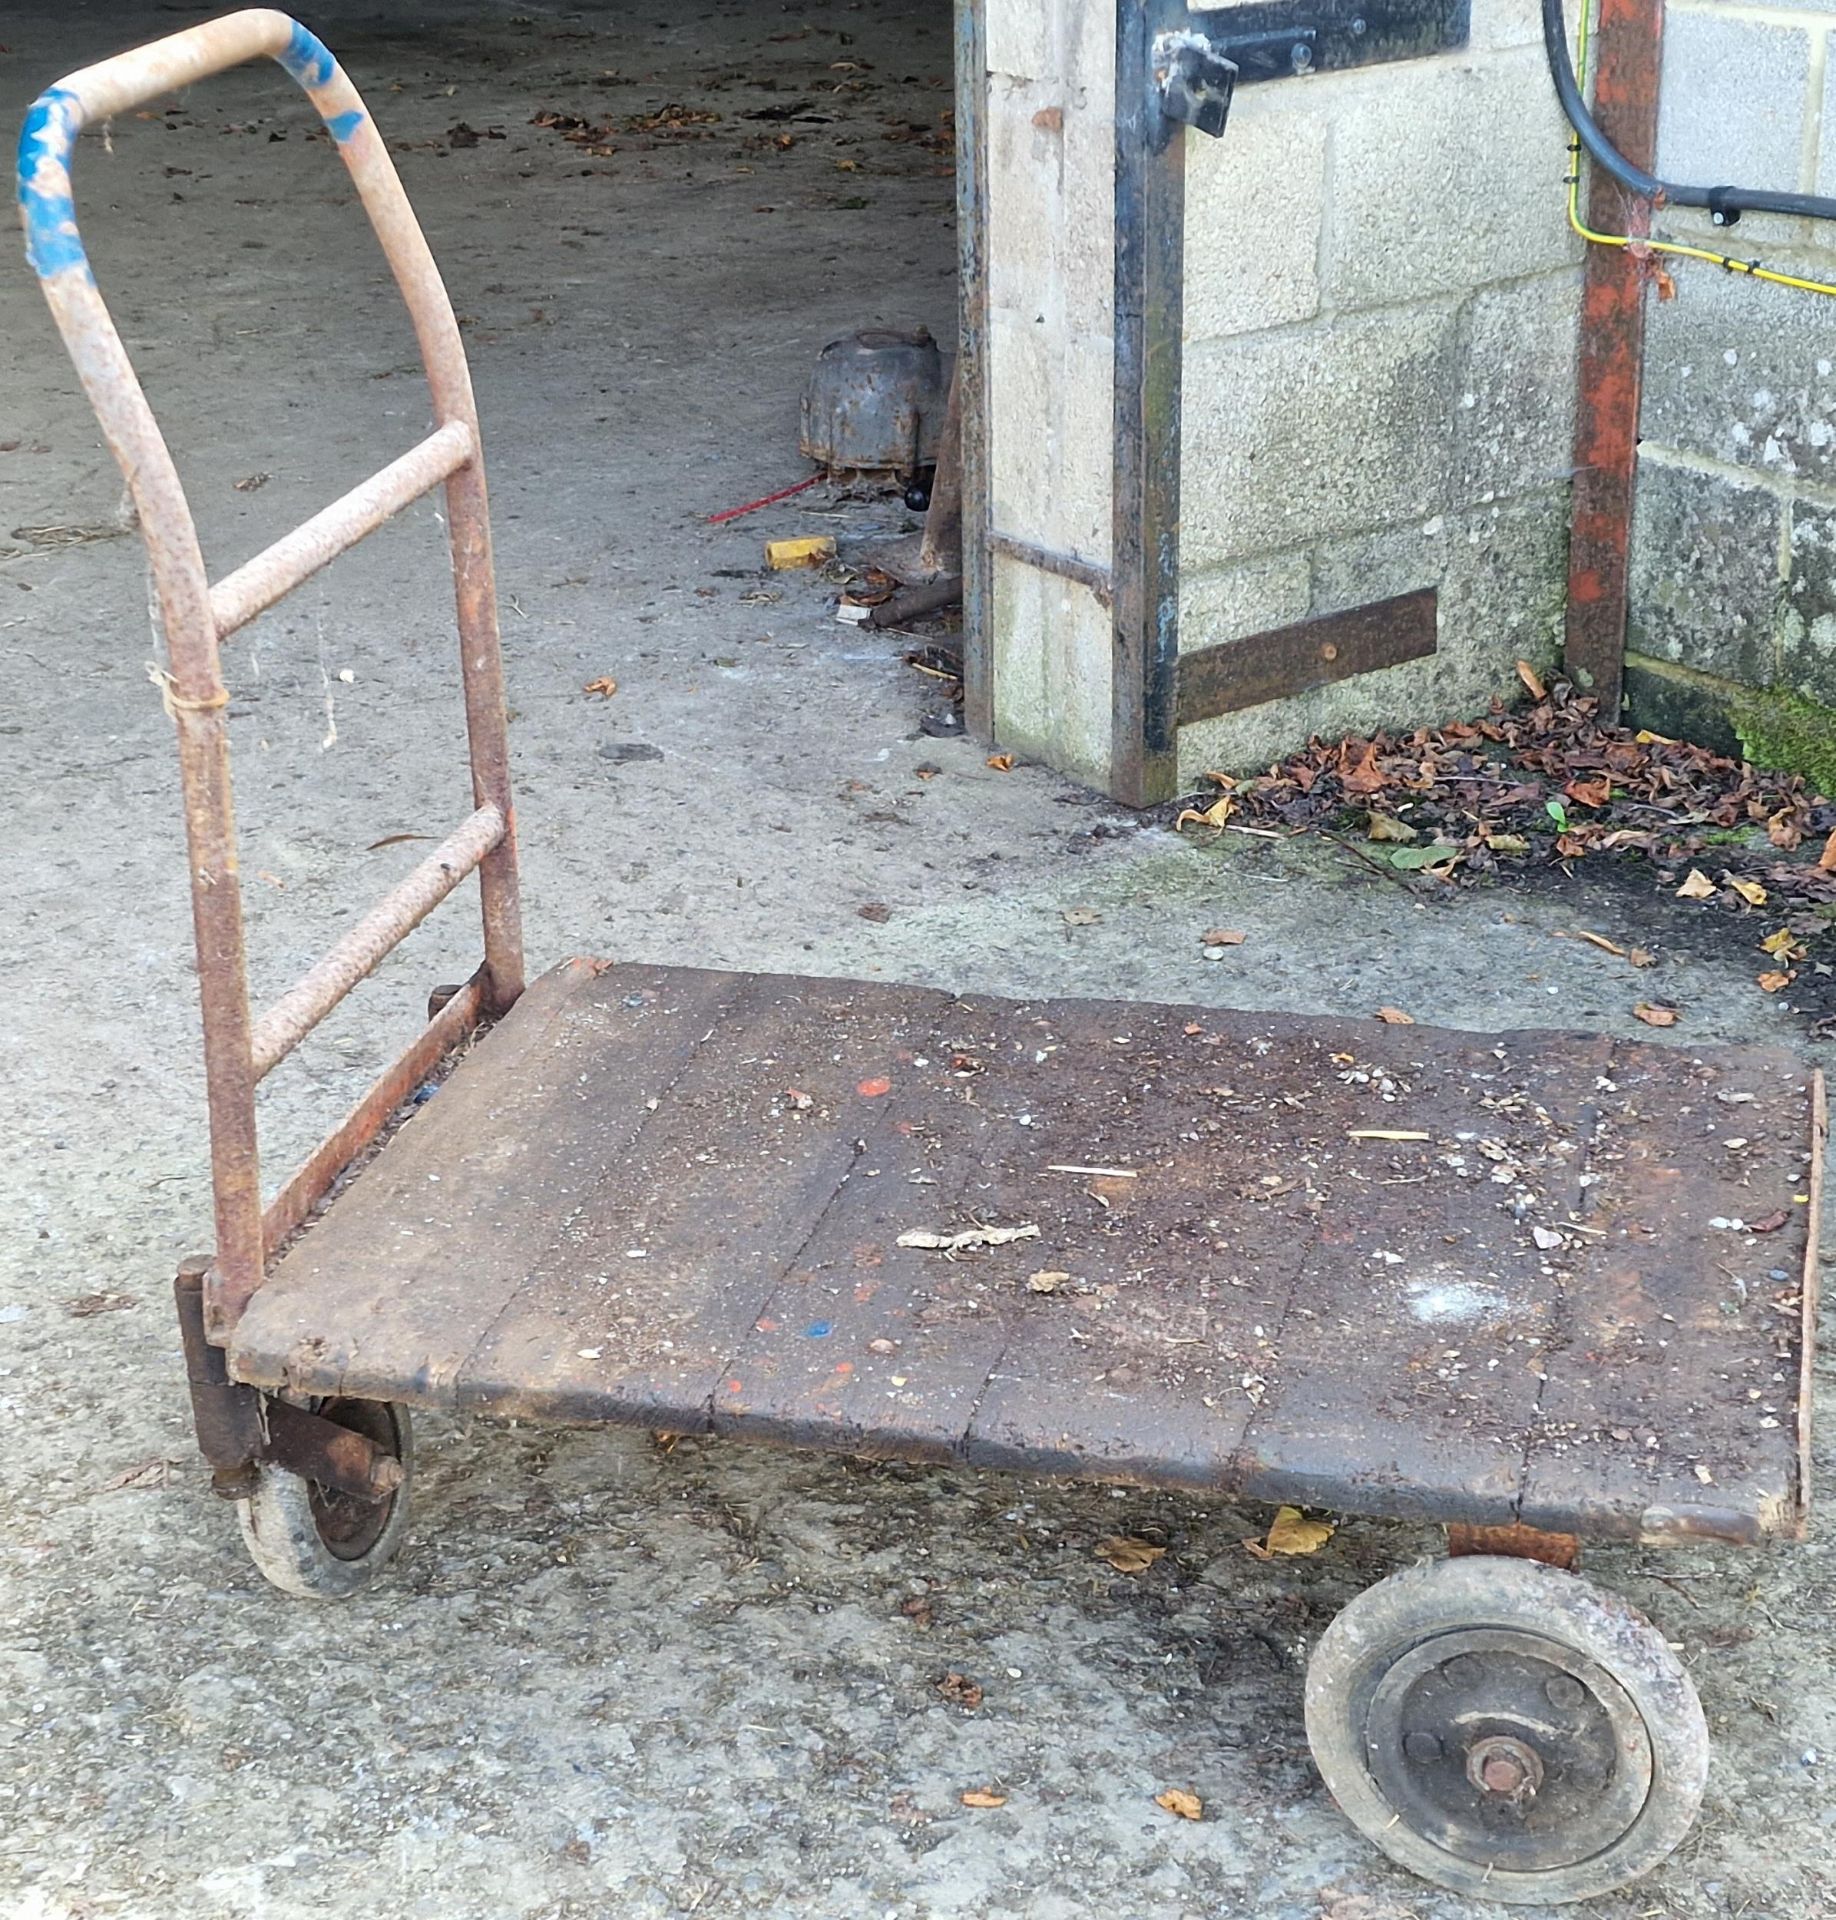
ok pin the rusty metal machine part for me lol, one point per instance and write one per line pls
(876, 403)
(197, 616)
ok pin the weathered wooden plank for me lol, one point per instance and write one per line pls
(1669, 1407)
(386, 1294)
(633, 1309)
(1404, 1376)
(674, 1197)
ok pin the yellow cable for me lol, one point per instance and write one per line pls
(1751, 268)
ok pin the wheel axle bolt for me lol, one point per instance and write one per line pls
(1423, 1748)
(1502, 1775)
(1565, 1691)
(1505, 1767)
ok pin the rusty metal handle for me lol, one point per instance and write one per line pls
(197, 616)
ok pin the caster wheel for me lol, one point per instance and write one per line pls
(315, 1541)
(1507, 1730)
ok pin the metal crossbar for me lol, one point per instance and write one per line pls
(238, 1049)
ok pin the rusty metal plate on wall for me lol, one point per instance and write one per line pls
(1287, 661)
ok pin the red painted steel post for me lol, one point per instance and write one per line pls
(1628, 43)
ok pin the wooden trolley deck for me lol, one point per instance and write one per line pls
(674, 1198)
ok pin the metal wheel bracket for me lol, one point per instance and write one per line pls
(240, 1428)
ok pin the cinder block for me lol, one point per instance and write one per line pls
(1513, 23)
(1745, 373)
(1500, 575)
(1238, 601)
(1254, 203)
(1807, 627)
(1444, 174)
(1052, 682)
(1051, 208)
(1052, 436)
(1731, 102)
(1316, 430)
(1705, 573)
(1514, 404)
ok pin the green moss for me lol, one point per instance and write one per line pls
(1787, 733)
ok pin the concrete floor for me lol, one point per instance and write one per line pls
(608, 1679)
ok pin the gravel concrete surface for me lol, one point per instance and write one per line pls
(611, 1677)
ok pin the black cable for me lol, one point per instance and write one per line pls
(1727, 204)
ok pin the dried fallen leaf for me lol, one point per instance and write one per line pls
(1292, 1532)
(1775, 982)
(1827, 858)
(1749, 890)
(1395, 1017)
(796, 1098)
(981, 1797)
(960, 1690)
(87, 1305)
(1176, 1800)
(1507, 843)
(1222, 937)
(1654, 1014)
(251, 483)
(1046, 1280)
(395, 840)
(1216, 815)
(604, 687)
(1127, 1553)
(1638, 957)
(873, 1089)
(1602, 942)
(1383, 827)
(1081, 917)
(1698, 886)
(1532, 680)
(1771, 1224)
(969, 1237)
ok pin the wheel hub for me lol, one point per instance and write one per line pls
(351, 1527)
(1508, 1749)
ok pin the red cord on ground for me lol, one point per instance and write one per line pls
(752, 506)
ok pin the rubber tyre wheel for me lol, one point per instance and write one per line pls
(1483, 1591)
(287, 1524)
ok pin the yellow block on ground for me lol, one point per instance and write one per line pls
(811, 551)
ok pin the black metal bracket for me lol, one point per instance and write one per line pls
(1200, 56)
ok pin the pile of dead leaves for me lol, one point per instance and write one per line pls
(1547, 783)
(577, 132)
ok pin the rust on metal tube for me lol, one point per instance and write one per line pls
(1516, 1543)
(193, 617)
(1629, 42)
(360, 951)
(288, 1209)
(277, 570)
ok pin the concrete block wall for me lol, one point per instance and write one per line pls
(1734, 542)
(1051, 350)
(1381, 304)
